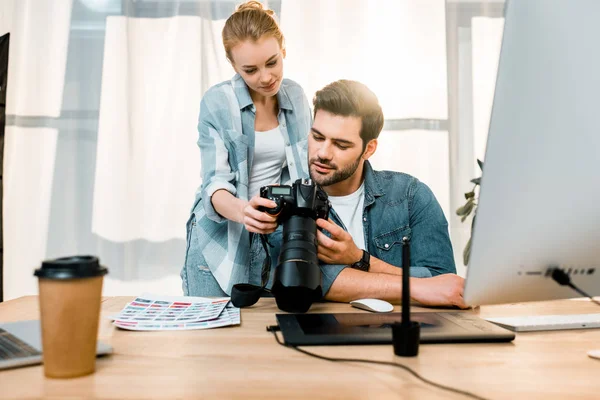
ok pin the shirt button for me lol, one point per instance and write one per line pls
(283, 124)
(365, 219)
(292, 164)
(386, 245)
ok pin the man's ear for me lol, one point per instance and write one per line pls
(370, 149)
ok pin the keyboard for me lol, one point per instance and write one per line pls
(12, 347)
(548, 322)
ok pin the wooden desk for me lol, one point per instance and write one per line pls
(246, 362)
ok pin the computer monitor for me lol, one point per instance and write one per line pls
(539, 204)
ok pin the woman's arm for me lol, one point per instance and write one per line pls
(218, 181)
(228, 206)
(214, 158)
(245, 212)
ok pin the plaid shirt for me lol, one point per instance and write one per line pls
(226, 141)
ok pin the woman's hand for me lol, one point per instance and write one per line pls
(259, 221)
(339, 248)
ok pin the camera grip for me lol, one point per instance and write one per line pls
(266, 194)
(271, 211)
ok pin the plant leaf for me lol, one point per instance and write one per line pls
(480, 163)
(467, 253)
(466, 209)
(476, 181)
(469, 195)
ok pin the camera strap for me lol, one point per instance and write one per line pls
(245, 294)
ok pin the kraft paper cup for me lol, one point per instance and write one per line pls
(70, 292)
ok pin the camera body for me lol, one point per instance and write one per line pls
(297, 281)
(303, 198)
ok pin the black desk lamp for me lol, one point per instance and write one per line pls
(405, 335)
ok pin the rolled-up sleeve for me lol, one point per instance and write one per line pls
(214, 160)
(329, 273)
(430, 244)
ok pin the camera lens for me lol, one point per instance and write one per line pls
(298, 277)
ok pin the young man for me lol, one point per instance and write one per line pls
(374, 210)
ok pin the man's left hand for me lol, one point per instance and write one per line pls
(339, 248)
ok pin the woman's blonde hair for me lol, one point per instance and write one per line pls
(250, 21)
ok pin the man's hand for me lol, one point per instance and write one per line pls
(340, 248)
(259, 221)
(440, 290)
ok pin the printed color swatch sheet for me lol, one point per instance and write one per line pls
(155, 312)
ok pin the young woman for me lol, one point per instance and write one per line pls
(252, 133)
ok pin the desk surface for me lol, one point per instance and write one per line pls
(246, 362)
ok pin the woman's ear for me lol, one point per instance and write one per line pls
(283, 52)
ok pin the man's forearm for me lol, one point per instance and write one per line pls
(352, 284)
(381, 267)
(441, 290)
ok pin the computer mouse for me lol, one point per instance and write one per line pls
(594, 354)
(374, 305)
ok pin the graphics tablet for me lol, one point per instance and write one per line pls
(369, 328)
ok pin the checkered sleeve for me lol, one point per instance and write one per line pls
(214, 159)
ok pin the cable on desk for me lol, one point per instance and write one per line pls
(563, 279)
(274, 328)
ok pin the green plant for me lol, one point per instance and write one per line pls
(470, 207)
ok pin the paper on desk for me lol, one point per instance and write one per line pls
(155, 312)
(139, 304)
(229, 316)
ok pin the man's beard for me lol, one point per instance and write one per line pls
(337, 175)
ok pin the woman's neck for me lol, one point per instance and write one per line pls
(263, 101)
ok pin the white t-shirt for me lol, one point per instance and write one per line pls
(350, 210)
(269, 158)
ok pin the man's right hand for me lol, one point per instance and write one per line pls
(440, 290)
(259, 221)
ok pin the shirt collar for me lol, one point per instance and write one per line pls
(373, 187)
(283, 99)
(243, 94)
(241, 91)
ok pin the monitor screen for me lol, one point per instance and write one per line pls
(539, 204)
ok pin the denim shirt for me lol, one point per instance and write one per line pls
(226, 141)
(398, 205)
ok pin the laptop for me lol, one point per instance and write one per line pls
(21, 344)
(375, 328)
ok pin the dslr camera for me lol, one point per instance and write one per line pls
(297, 281)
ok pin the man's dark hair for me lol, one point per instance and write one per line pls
(350, 98)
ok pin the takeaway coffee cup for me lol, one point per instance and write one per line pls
(70, 294)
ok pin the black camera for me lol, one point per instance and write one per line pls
(297, 282)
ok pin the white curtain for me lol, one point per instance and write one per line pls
(103, 101)
(101, 152)
(398, 49)
(487, 39)
(38, 53)
(147, 166)
(473, 37)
